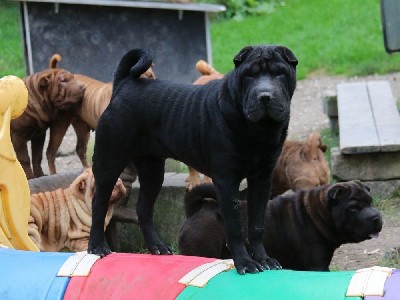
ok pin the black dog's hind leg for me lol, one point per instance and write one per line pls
(106, 173)
(151, 177)
(257, 198)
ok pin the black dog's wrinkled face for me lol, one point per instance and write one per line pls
(268, 81)
(352, 212)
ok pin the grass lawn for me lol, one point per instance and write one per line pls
(11, 47)
(333, 37)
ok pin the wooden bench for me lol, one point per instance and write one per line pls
(369, 134)
(368, 118)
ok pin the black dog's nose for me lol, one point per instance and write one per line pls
(264, 97)
(376, 220)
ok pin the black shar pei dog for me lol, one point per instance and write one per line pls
(302, 230)
(228, 129)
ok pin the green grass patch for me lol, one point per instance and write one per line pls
(332, 37)
(11, 47)
(392, 259)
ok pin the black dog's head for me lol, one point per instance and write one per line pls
(352, 213)
(267, 81)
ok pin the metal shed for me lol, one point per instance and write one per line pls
(93, 35)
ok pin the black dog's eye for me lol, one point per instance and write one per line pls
(354, 208)
(278, 70)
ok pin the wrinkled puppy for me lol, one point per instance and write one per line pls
(62, 218)
(301, 165)
(243, 121)
(303, 229)
(52, 93)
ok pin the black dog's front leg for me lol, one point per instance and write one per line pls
(228, 193)
(259, 189)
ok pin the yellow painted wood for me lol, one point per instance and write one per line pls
(14, 189)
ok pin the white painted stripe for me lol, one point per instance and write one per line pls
(78, 264)
(368, 282)
(200, 276)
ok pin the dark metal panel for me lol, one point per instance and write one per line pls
(390, 11)
(92, 39)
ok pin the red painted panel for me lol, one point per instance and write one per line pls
(134, 276)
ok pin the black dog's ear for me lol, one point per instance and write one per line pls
(364, 186)
(288, 55)
(241, 56)
(337, 191)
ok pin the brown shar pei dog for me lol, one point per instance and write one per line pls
(52, 95)
(301, 165)
(96, 98)
(302, 230)
(62, 218)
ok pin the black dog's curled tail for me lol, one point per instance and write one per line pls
(196, 197)
(134, 63)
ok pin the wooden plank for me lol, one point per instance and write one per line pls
(357, 133)
(386, 115)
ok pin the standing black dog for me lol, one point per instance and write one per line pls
(228, 129)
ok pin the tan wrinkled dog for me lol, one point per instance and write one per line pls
(96, 98)
(301, 165)
(62, 218)
(52, 96)
(208, 74)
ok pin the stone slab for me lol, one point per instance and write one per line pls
(365, 166)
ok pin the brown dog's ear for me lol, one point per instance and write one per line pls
(288, 55)
(44, 82)
(336, 192)
(241, 56)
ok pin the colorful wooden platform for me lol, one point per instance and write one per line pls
(49, 275)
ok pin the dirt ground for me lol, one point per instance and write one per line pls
(307, 116)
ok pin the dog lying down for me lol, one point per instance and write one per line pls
(303, 229)
(62, 218)
(241, 125)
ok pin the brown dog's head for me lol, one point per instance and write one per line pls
(59, 87)
(354, 218)
(83, 188)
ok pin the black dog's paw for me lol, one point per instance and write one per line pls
(271, 264)
(247, 265)
(258, 254)
(100, 249)
(160, 249)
